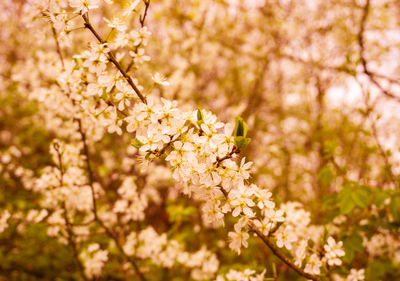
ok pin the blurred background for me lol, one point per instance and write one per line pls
(317, 82)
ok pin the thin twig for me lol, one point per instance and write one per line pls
(111, 58)
(146, 8)
(95, 213)
(361, 43)
(58, 45)
(275, 250)
(281, 256)
(70, 234)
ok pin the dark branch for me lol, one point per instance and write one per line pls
(361, 43)
(95, 213)
(142, 19)
(281, 256)
(111, 58)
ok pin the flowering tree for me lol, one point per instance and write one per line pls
(112, 171)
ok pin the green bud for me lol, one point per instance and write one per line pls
(240, 128)
(200, 117)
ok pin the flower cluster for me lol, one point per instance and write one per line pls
(246, 275)
(148, 244)
(94, 258)
(123, 150)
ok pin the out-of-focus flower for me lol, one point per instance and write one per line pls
(160, 79)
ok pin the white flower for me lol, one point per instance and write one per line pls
(139, 56)
(244, 168)
(274, 215)
(246, 275)
(300, 254)
(3, 220)
(94, 259)
(130, 244)
(84, 5)
(131, 7)
(265, 225)
(334, 251)
(240, 200)
(263, 197)
(237, 239)
(160, 79)
(140, 37)
(356, 275)
(286, 237)
(117, 23)
(313, 265)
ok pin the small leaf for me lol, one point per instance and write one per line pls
(353, 242)
(137, 143)
(375, 270)
(326, 176)
(379, 197)
(349, 256)
(346, 202)
(360, 197)
(240, 128)
(329, 201)
(241, 142)
(329, 148)
(394, 207)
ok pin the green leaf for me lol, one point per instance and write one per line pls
(240, 128)
(329, 201)
(360, 197)
(349, 256)
(346, 203)
(241, 142)
(375, 270)
(354, 241)
(394, 207)
(329, 148)
(331, 215)
(379, 197)
(137, 143)
(326, 176)
(352, 244)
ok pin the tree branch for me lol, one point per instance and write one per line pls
(361, 43)
(70, 234)
(111, 58)
(95, 213)
(142, 19)
(281, 256)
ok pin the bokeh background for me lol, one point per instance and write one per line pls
(317, 82)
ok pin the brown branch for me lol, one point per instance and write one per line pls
(340, 68)
(275, 250)
(111, 234)
(142, 19)
(235, 150)
(361, 43)
(381, 150)
(58, 46)
(383, 153)
(111, 58)
(70, 237)
(60, 55)
(70, 234)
